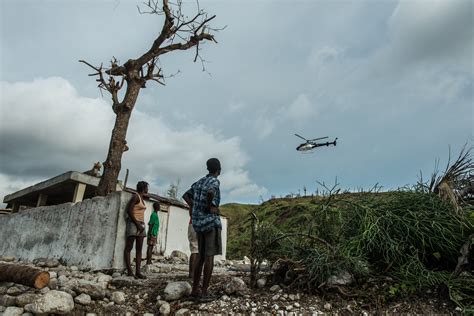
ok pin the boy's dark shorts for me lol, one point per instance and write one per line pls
(210, 242)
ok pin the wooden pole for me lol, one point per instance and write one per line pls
(33, 277)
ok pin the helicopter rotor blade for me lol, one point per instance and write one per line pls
(318, 138)
(301, 137)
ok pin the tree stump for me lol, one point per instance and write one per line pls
(33, 277)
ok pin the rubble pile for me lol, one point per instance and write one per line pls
(166, 291)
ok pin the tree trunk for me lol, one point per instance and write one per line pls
(118, 143)
(25, 275)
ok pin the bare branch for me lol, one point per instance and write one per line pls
(112, 86)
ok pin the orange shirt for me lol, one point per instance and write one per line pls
(139, 210)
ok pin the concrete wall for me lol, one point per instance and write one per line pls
(89, 234)
(177, 237)
(82, 234)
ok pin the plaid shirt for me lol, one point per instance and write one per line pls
(202, 220)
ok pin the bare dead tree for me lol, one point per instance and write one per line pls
(179, 32)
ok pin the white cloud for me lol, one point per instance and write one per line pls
(264, 125)
(10, 184)
(46, 128)
(321, 56)
(301, 108)
(236, 106)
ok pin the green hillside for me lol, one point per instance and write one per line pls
(237, 234)
(411, 236)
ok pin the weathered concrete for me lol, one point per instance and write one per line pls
(82, 234)
(89, 234)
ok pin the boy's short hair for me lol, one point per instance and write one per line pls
(213, 165)
(156, 205)
(141, 185)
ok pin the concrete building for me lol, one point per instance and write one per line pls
(60, 218)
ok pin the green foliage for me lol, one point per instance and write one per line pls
(238, 234)
(412, 236)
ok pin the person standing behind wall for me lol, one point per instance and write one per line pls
(153, 227)
(192, 237)
(207, 224)
(135, 230)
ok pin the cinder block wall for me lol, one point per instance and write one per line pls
(82, 234)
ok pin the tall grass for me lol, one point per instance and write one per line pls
(412, 236)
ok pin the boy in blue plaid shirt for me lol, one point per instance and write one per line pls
(203, 198)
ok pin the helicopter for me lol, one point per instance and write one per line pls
(311, 143)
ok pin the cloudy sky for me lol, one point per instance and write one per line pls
(393, 80)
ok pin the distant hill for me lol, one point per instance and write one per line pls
(294, 214)
(237, 233)
(283, 212)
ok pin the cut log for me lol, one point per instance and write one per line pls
(21, 274)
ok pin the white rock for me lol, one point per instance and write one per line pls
(27, 314)
(343, 278)
(7, 300)
(53, 302)
(116, 274)
(292, 297)
(176, 254)
(118, 297)
(182, 311)
(177, 290)
(275, 288)
(148, 314)
(236, 286)
(246, 260)
(52, 263)
(297, 305)
(13, 311)
(7, 258)
(68, 290)
(225, 298)
(26, 299)
(275, 307)
(327, 306)
(165, 309)
(53, 275)
(261, 283)
(16, 290)
(83, 299)
(45, 290)
(104, 278)
(63, 280)
(275, 297)
(159, 303)
(73, 268)
(53, 284)
(91, 314)
(289, 307)
(94, 289)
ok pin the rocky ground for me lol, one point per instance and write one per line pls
(75, 292)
